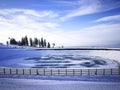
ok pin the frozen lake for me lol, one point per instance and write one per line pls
(30, 58)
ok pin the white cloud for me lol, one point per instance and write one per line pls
(85, 7)
(80, 12)
(28, 12)
(27, 18)
(109, 18)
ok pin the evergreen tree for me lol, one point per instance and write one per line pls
(23, 42)
(26, 41)
(48, 46)
(42, 44)
(39, 42)
(31, 42)
(13, 41)
(36, 42)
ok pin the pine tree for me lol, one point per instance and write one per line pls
(35, 41)
(31, 42)
(23, 42)
(26, 41)
(48, 45)
(42, 44)
(13, 41)
(39, 42)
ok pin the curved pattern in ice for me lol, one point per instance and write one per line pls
(68, 61)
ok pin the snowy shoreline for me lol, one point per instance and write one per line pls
(56, 48)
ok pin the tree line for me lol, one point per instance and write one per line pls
(42, 43)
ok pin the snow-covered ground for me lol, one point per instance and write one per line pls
(60, 83)
(23, 84)
(29, 58)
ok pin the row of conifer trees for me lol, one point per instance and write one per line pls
(31, 42)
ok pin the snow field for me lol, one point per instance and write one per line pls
(30, 84)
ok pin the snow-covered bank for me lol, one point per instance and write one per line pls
(57, 48)
(42, 84)
(94, 78)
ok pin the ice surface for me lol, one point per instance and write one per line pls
(30, 58)
(113, 55)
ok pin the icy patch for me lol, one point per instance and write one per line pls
(27, 58)
(113, 55)
(71, 61)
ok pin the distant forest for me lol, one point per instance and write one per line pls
(42, 43)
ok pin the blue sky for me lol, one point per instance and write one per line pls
(65, 22)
